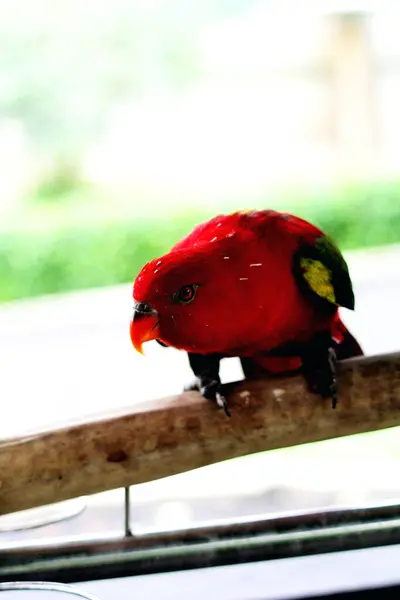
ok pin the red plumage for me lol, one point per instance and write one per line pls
(248, 300)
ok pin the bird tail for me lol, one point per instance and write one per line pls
(346, 344)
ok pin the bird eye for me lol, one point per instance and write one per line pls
(186, 294)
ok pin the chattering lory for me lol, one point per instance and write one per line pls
(263, 286)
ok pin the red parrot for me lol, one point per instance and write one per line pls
(263, 286)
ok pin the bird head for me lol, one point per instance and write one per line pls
(193, 299)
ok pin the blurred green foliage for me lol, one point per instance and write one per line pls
(66, 65)
(49, 252)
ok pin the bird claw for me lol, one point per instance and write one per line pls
(193, 386)
(332, 360)
(321, 374)
(222, 403)
(209, 390)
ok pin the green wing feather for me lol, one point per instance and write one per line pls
(323, 270)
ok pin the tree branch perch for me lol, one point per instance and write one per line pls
(176, 434)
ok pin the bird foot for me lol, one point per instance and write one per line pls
(209, 389)
(319, 368)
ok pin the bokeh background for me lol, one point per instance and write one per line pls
(124, 123)
(114, 117)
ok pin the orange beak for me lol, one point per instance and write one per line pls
(143, 328)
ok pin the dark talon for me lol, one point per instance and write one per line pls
(221, 401)
(194, 386)
(210, 391)
(319, 367)
(332, 365)
(207, 382)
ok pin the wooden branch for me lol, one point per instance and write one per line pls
(176, 434)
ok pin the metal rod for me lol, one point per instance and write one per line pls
(266, 539)
(127, 512)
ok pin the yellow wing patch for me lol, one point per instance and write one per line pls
(318, 278)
